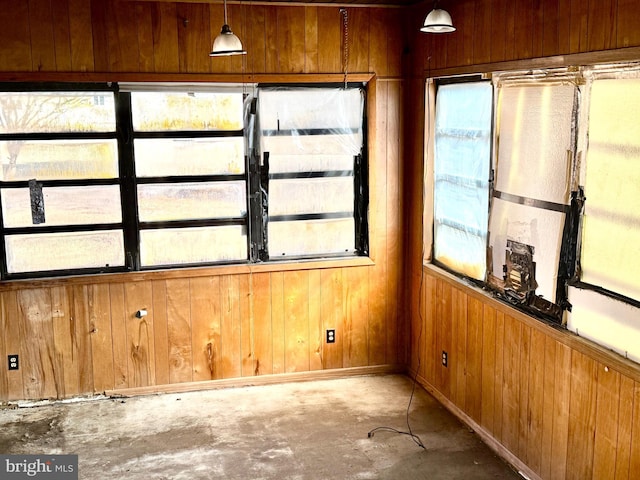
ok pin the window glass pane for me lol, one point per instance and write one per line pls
(337, 144)
(62, 251)
(610, 255)
(533, 159)
(310, 195)
(63, 206)
(461, 175)
(189, 156)
(193, 245)
(190, 201)
(311, 237)
(58, 159)
(175, 111)
(46, 112)
(284, 163)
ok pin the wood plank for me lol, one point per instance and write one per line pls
(119, 336)
(296, 321)
(194, 37)
(634, 461)
(561, 408)
(277, 321)
(390, 131)
(65, 346)
(144, 20)
(36, 331)
(12, 343)
(179, 331)
(332, 313)
(523, 400)
(395, 43)
(140, 339)
(61, 35)
(166, 57)
(256, 40)
(625, 427)
(15, 41)
(564, 26)
(378, 43)
(579, 18)
(330, 37)
(510, 31)
(358, 36)
(81, 34)
(311, 44)
(601, 25)
(290, 39)
(83, 337)
(99, 25)
(272, 53)
(4, 327)
(443, 335)
(535, 416)
(205, 328)
(473, 398)
(537, 27)
(628, 24)
(482, 32)
(498, 377)
(498, 29)
(523, 37)
(356, 342)
(43, 56)
(547, 401)
(582, 417)
(122, 38)
(458, 361)
(606, 422)
(511, 383)
(465, 30)
(160, 331)
(550, 28)
(248, 363)
(101, 334)
(487, 413)
(263, 334)
(230, 326)
(316, 333)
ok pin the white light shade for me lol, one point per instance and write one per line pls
(226, 44)
(438, 21)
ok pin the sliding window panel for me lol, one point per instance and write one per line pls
(311, 237)
(461, 176)
(534, 161)
(610, 256)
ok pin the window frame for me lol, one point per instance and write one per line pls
(254, 176)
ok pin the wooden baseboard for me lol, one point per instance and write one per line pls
(484, 435)
(258, 380)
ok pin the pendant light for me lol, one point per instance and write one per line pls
(226, 43)
(438, 21)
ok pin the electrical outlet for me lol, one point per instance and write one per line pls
(445, 358)
(14, 362)
(331, 336)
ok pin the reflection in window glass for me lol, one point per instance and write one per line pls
(312, 195)
(64, 251)
(63, 206)
(461, 175)
(58, 159)
(189, 156)
(45, 112)
(610, 256)
(193, 245)
(179, 111)
(329, 236)
(191, 201)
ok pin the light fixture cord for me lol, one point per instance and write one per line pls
(345, 56)
(225, 13)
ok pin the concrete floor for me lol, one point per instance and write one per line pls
(309, 430)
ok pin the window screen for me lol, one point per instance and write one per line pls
(461, 176)
(610, 256)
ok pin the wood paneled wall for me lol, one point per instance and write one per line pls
(554, 404)
(82, 337)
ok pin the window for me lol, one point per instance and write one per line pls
(461, 176)
(102, 178)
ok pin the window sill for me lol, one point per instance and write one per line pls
(193, 272)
